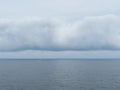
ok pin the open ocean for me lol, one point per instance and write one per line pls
(59, 74)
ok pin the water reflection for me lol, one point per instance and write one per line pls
(59, 75)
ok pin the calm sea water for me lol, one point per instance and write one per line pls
(60, 75)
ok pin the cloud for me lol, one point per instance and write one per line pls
(91, 33)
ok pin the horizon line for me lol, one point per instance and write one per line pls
(59, 58)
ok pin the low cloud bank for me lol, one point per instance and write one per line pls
(91, 33)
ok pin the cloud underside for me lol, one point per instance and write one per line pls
(91, 33)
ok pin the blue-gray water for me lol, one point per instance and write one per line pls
(60, 75)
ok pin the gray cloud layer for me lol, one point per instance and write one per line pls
(92, 33)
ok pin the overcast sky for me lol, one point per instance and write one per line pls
(58, 8)
(69, 9)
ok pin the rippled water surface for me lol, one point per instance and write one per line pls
(60, 75)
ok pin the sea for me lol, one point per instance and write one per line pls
(61, 74)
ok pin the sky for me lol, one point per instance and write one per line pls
(57, 8)
(59, 28)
